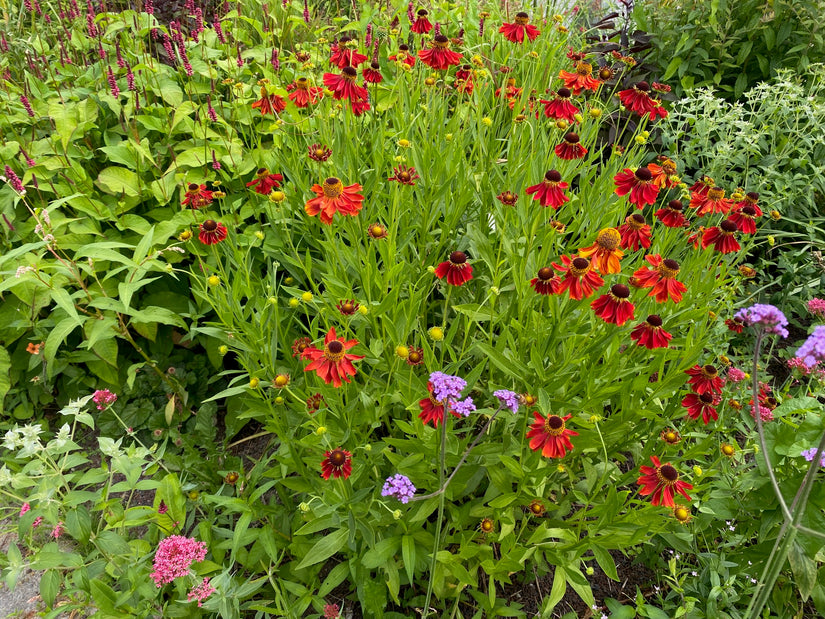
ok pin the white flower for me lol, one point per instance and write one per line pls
(11, 441)
(6, 477)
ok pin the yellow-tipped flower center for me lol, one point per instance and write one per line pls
(584, 68)
(716, 193)
(609, 239)
(554, 425)
(333, 187)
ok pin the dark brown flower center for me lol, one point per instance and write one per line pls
(349, 73)
(374, 66)
(571, 138)
(458, 257)
(749, 210)
(609, 239)
(403, 48)
(545, 273)
(752, 196)
(554, 425)
(210, 225)
(620, 291)
(338, 457)
(440, 40)
(552, 176)
(728, 226)
(422, 13)
(654, 320)
(643, 174)
(564, 93)
(643, 86)
(706, 398)
(302, 83)
(668, 474)
(671, 266)
(580, 266)
(709, 371)
(522, 18)
(675, 205)
(193, 187)
(333, 187)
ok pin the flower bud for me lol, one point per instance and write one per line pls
(436, 334)
(306, 297)
(213, 280)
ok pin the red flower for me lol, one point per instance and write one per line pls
(704, 379)
(579, 278)
(457, 270)
(637, 99)
(302, 94)
(372, 73)
(359, 107)
(507, 198)
(605, 254)
(510, 92)
(344, 56)
(582, 79)
(515, 32)
(662, 482)
(615, 306)
(347, 307)
(737, 325)
(702, 404)
(212, 232)
(550, 192)
(197, 196)
(336, 463)
(662, 278)
(658, 110)
(403, 55)
(404, 175)
(751, 199)
(744, 216)
(344, 87)
(635, 232)
(546, 282)
(713, 201)
(319, 152)
(570, 148)
(638, 184)
(702, 186)
(550, 434)
(415, 356)
(431, 409)
(265, 182)
(671, 215)
(439, 56)
(421, 25)
(664, 176)
(300, 345)
(269, 104)
(333, 364)
(650, 333)
(722, 238)
(333, 198)
(559, 107)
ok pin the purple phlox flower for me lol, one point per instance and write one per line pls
(763, 315)
(809, 454)
(400, 487)
(446, 386)
(817, 307)
(813, 350)
(464, 407)
(508, 399)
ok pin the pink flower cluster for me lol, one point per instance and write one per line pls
(103, 398)
(817, 307)
(735, 375)
(200, 592)
(174, 557)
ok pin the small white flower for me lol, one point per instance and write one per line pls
(694, 573)
(753, 580)
(11, 441)
(6, 478)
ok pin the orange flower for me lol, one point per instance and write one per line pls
(605, 254)
(333, 198)
(551, 435)
(269, 104)
(582, 79)
(34, 349)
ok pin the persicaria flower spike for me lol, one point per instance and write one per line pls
(400, 487)
(764, 316)
(103, 398)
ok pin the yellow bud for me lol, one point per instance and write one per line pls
(194, 494)
(320, 430)
(595, 112)
(363, 310)
(397, 514)
(294, 303)
(533, 54)
(646, 134)
(560, 468)
(259, 235)
(579, 118)
(562, 124)
(697, 470)
(640, 139)
(213, 280)
(712, 315)
(222, 350)
(328, 92)
(558, 18)
(279, 400)
(277, 197)
(272, 300)
(477, 60)
(594, 419)
(449, 137)
(589, 571)
(399, 159)
(306, 297)
(253, 383)
(404, 143)
(487, 121)
(185, 235)
(402, 351)
(289, 281)
(771, 240)
(436, 333)
(429, 81)
(394, 31)
(405, 67)
(303, 507)
(776, 215)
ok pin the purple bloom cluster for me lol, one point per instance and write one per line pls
(508, 399)
(464, 407)
(400, 487)
(763, 315)
(446, 386)
(813, 350)
(809, 454)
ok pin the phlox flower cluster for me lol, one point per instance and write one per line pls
(768, 317)
(508, 399)
(400, 487)
(174, 556)
(809, 455)
(813, 350)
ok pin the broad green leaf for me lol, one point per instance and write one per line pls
(408, 554)
(382, 552)
(335, 577)
(49, 586)
(118, 180)
(5, 382)
(55, 339)
(605, 561)
(325, 548)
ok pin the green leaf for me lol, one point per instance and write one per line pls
(382, 552)
(804, 570)
(64, 300)
(335, 577)
(5, 381)
(49, 586)
(55, 339)
(325, 548)
(605, 561)
(408, 554)
(559, 587)
(117, 180)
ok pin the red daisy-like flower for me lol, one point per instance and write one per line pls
(300, 345)
(735, 324)
(515, 32)
(722, 238)
(332, 197)
(672, 215)
(638, 184)
(456, 269)
(511, 93)
(319, 152)
(559, 107)
(333, 364)
(662, 481)
(751, 199)
(303, 94)
(359, 107)
(605, 254)
(197, 196)
(637, 99)
(650, 333)
(635, 232)
(582, 79)
(336, 463)
(703, 404)
(421, 25)
(578, 277)
(439, 56)
(212, 232)
(614, 307)
(347, 307)
(661, 278)
(344, 54)
(403, 55)
(705, 379)
(550, 192)
(702, 186)
(695, 238)
(507, 198)
(712, 202)
(551, 435)
(269, 104)
(415, 356)
(571, 147)
(372, 73)
(404, 175)
(344, 87)
(546, 282)
(664, 175)
(658, 109)
(265, 182)
(745, 217)
(432, 410)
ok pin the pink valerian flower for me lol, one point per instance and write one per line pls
(331, 611)
(816, 307)
(174, 556)
(735, 375)
(24, 508)
(764, 412)
(798, 364)
(57, 531)
(103, 398)
(200, 592)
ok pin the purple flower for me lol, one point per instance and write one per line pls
(446, 386)
(14, 180)
(400, 487)
(464, 407)
(813, 350)
(809, 454)
(763, 315)
(508, 399)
